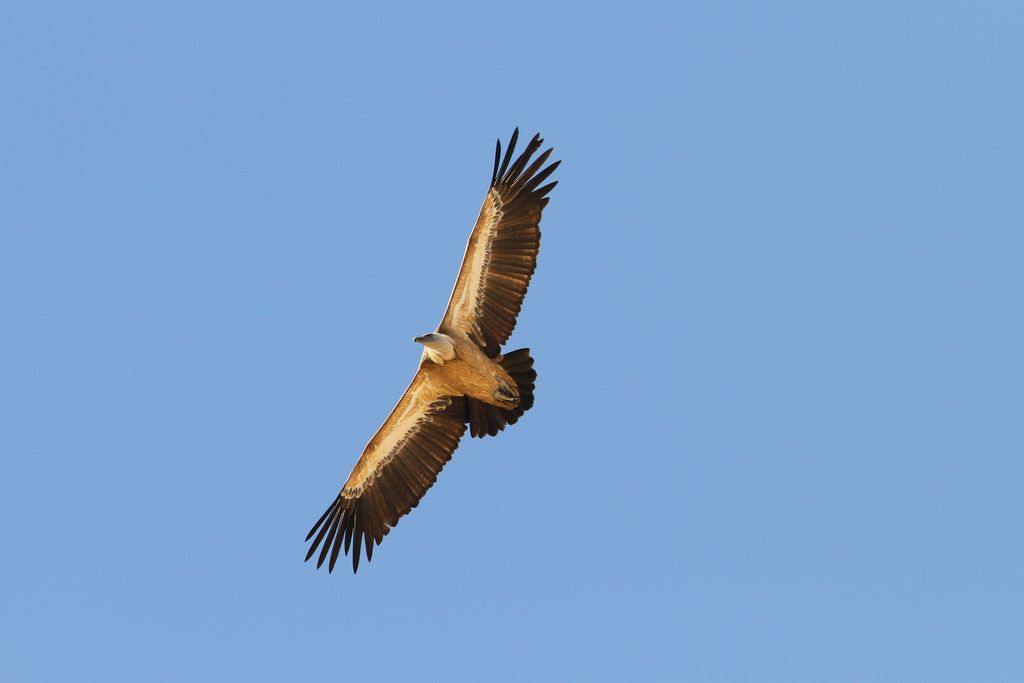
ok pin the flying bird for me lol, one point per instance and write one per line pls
(463, 378)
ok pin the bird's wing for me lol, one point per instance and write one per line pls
(397, 467)
(501, 254)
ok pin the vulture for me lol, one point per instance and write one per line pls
(463, 379)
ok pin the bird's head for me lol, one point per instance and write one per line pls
(439, 346)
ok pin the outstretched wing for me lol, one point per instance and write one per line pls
(397, 467)
(502, 251)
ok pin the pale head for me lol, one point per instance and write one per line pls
(438, 347)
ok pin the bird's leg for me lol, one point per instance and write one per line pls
(506, 395)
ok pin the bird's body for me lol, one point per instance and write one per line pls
(471, 373)
(462, 379)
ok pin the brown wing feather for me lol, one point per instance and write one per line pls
(395, 470)
(501, 254)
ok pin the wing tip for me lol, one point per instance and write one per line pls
(509, 151)
(497, 160)
(515, 174)
(333, 529)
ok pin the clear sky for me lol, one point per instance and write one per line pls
(777, 321)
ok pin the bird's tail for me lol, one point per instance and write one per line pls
(488, 420)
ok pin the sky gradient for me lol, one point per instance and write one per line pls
(776, 320)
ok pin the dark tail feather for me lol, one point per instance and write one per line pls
(488, 420)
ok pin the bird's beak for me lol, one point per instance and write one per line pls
(419, 340)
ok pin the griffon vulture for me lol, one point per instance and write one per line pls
(463, 378)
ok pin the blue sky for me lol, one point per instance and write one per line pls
(777, 323)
